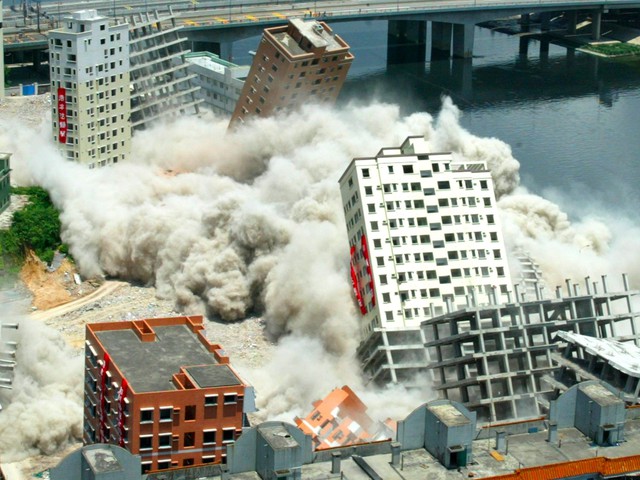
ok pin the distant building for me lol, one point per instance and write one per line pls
(161, 85)
(89, 70)
(159, 389)
(297, 63)
(220, 81)
(340, 419)
(5, 181)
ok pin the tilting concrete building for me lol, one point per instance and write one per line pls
(341, 419)
(161, 85)
(425, 239)
(503, 361)
(298, 63)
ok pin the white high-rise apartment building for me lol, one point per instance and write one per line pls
(424, 234)
(89, 63)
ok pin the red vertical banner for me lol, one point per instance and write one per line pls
(102, 434)
(122, 394)
(356, 284)
(62, 115)
(365, 254)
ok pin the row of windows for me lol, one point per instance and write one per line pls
(207, 437)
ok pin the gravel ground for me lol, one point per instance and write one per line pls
(30, 110)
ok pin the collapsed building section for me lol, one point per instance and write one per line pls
(502, 361)
(340, 419)
(161, 85)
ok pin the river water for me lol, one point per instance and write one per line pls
(571, 119)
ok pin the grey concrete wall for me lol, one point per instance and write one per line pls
(411, 430)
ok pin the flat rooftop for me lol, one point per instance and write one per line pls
(213, 376)
(175, 346)
(449, 415)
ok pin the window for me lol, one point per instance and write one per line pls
(166, 414)
(490, 219)
(386, 298)
(380, 261)
(377, 243)
(407, 169)
(383, 279)
(228, 435)
(483, 184)
(390, 168)
(371, 208)
(190, 412)
(146, 415)
(146, 442)
(389, 316)
(374, 226)
(189, 439)
(444, 185)
(230, 398)
(368, 191)
(209, 436)
(164, 440)
(434, 292)
(425, 173)
(210, 400)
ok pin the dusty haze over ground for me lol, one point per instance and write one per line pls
(251, 223)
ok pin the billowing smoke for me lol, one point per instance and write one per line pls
(43, 411)
(251, 222)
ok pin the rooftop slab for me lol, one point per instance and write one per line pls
(175, 346)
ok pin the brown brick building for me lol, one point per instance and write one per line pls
(158, 388)
(296, 63)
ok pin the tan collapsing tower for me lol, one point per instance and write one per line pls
(296, 63)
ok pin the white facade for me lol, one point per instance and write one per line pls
(431, 231)
(89, 64)
(220, 81)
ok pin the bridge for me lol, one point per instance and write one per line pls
(215, 24)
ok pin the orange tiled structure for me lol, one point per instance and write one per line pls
(340, 419)
(160, 389)
(607, 467)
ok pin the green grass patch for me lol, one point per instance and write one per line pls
(35, 227)
(614, 49)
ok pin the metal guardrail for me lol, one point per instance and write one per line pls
(232, 16)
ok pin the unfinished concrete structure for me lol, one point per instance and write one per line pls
(502, 361)
(589, 358)
(161, 85)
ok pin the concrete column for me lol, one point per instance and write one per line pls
(226, 51)
(395, 453)
(525, 20)
(501, 442)
(545, 21)
(523, 47)
(596, 21)
(552, 432)
(544, 52)
(463, 40)
(335, 462)
(440, 40)
(406, 41)
(572, 22)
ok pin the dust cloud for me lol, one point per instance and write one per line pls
(42, 413)
(250, 222)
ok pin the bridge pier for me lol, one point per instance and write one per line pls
(596, 21)
(440, 40)
(406, 41)
(572, 22)
(462, 73)
(523, 47)
(463, 40)
(545, 21)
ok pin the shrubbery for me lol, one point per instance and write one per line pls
(35, 227)
(614, 49)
